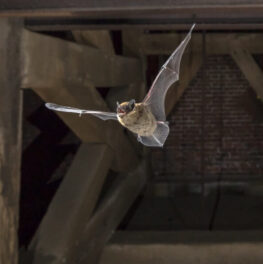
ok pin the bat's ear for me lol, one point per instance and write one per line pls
(131, 104)
(118, 104)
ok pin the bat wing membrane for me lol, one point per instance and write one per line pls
(99, 114)
(158, 138)
(168, 74)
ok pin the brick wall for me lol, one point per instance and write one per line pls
(216, 128)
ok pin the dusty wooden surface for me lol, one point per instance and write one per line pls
(67, 62)
(216, 43)
(188, 247)
(72, 205)
(100, 39)
(108, 215)
(248, 66)
(59, 81)
(10, 138)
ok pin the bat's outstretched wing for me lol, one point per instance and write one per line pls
(168, 74)
(99, 114)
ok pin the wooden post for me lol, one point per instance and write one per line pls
(10, 137)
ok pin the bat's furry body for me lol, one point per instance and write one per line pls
(146, 119)
(140, 120)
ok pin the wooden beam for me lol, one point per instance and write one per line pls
(118, 9)
(10, 137)
(89, 128)
(131, 47)
(170, 24)
(108, 216)
(135, 90)
(191, 63)
(100, 39)
(216, 43)
(131, 42)
(72, 205)
(65, 62)
(122, 94)
(248, 66)
(73, 93)
(187, 247)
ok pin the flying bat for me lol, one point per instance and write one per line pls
(146, 119)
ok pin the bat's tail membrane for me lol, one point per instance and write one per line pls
(158, 138)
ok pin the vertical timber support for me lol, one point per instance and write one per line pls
(10, 137)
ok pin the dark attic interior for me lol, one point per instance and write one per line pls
(75, 189)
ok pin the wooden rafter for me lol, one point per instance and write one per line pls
(231, 247)
(136, 89)
(135, 9)
(108, 216)
(72, 205)
(248, 66)
(66, 90)
(100, 39)
(10, 138)
(216, 43)
(51, 60)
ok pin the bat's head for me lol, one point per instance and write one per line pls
(125, 107)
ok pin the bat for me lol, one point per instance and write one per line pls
(145, 119)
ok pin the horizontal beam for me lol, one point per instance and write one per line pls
(216, 43)
(57, 24)
(231, 247)
(51, 61)
(88, 128)
(54, 78)
(114, 9)
(100, 39)
(73, 204)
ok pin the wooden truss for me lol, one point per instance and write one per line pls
(73, 231)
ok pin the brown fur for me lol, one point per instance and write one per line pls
(140, 120)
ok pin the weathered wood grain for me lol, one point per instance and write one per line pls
(50, 61)
(64, 89)
(108, 216)
(10, 137)
(72, 205)
(186, 247)
(248, 66)
(100, 39)
(216, 43)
